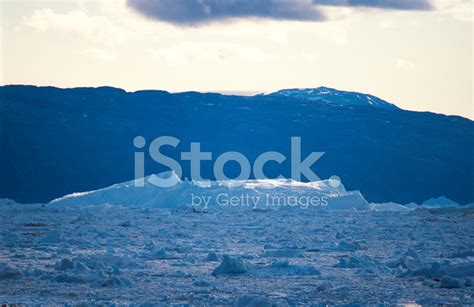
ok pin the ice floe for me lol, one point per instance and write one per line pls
(122, 245)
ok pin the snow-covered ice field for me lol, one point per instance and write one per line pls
(107, 253)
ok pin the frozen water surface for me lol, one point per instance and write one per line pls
(128, 244)
(103, 253)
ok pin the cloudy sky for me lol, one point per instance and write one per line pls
(414, 53)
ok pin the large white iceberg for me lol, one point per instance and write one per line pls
(260, 193)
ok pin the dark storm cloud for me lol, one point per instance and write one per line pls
(383, 4)
(193, 12)
(190, 12)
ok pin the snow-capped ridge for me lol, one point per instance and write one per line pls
(333, 96)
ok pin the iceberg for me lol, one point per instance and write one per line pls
(255, 194)
(439, 202)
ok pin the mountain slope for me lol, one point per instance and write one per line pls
(59, 141)
(330, 95)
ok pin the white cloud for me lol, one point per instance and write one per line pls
(405, 65)
(99, 28)
(337, 12)
(211, 52)
(99, 54)
(458, 9)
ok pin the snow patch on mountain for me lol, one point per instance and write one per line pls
(333, 96)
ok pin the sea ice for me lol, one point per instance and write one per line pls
(230, 265)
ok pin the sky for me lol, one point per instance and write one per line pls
(416, 54)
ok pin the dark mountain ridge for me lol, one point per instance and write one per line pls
(57, 141)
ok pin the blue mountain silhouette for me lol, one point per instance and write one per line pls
(57, 141)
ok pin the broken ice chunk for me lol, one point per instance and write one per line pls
(230, 265)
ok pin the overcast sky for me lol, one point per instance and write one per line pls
(414, 53)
